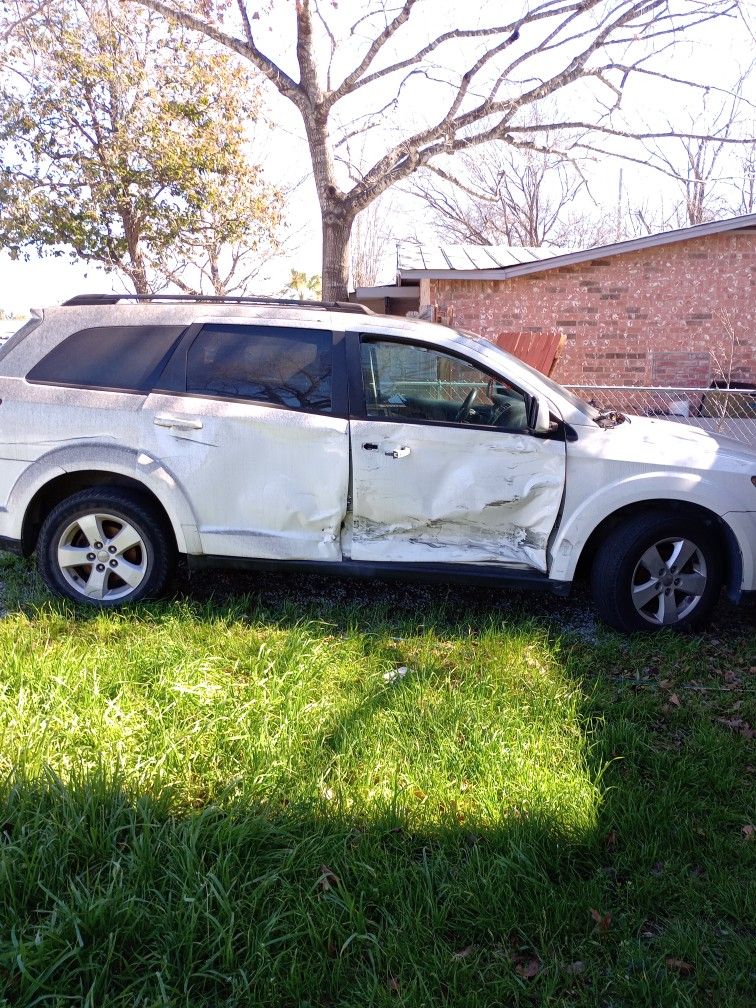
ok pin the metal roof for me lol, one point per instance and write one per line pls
(498, 262)
(466, 257)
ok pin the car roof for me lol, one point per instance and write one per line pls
(79, 314)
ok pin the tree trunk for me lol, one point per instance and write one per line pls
(336, 231)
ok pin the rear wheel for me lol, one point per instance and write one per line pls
(656, 571)
(105, 547)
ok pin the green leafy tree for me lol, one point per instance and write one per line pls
(303, 285)
(123, 142)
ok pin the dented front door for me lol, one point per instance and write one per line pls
(444, 468)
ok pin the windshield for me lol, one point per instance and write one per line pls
(476, 342)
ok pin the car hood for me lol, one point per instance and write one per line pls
(667, 443)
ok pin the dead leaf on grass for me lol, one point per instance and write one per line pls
(328, 880)
(748, 831)
(393, 984)
(737, 724)
(674, 699)
(603, 921)
(464, 953)
(611, 839)
(679, 966)
(527, 966)
(575, 967)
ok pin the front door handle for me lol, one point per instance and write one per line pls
(402, 452)
(177, 423)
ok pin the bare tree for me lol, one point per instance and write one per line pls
(712, 177)
(504, 195)
(370, 242)
(744, 181)
(489, 80)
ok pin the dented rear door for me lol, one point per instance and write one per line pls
(444, 468)
(251, 424)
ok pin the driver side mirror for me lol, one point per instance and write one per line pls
(538, 415)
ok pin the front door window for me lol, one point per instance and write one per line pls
(405, 381)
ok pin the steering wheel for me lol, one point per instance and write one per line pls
(464, 410)
(499, 413)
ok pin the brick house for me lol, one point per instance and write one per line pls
(677, 308)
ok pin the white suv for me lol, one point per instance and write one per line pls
(267, 434)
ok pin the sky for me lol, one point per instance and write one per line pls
(716, 55)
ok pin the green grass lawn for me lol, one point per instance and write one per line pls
(241, 798)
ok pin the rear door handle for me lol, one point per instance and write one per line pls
(397, 453)
(177, 423)
(369, 446)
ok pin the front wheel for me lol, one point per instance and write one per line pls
(106, 546)
(656, 571)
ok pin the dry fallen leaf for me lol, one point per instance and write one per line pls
(604, 921)
(465, 952)
(611, 839)
(328, 880)
(679, 966)
(527, 966)
(575, 967)
(674, 699)
(393, 984)
(748, 830)
(737, 724)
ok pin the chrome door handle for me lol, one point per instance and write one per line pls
(398, 453)
(178, 423)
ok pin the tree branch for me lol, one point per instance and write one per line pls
(249, 50)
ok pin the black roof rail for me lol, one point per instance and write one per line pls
(110, 299)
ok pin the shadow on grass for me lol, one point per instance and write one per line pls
(113, 897)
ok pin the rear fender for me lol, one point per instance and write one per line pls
(105, 457)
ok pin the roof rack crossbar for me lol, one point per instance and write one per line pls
(111, 299)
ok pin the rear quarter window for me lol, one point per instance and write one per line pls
(125, 358)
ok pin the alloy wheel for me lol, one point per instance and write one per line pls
(669, 581)
(102, 556)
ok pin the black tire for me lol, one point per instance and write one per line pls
(619, 574)
(153, 558)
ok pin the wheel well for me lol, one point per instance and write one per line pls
(690, 510)
(52, 493)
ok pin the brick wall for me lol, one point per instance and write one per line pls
(658, 316)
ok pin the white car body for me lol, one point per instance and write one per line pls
(244, 480)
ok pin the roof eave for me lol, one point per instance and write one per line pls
(746, 222)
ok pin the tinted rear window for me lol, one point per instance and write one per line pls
(283, 367)
(109, 357)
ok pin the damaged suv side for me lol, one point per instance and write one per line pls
(261, 433)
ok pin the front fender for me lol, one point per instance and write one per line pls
(105, 457)
(656, 487)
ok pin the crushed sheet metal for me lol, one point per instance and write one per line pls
(466, 496)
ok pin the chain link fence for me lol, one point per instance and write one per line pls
(727, 411)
